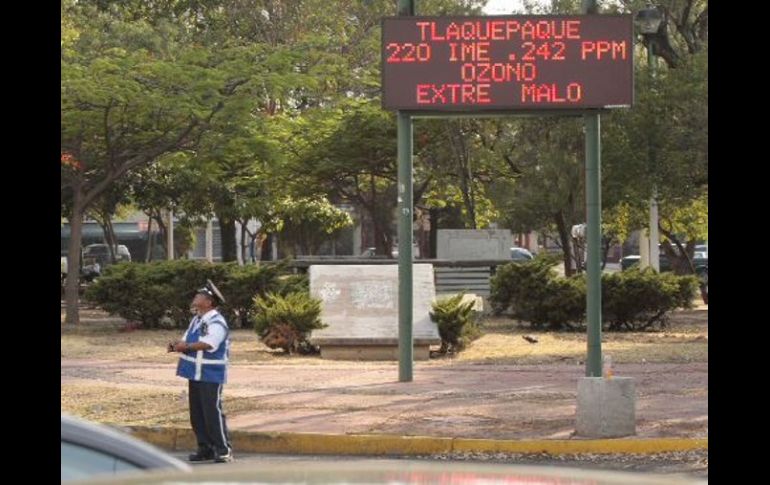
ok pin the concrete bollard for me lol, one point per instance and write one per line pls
(606, 408)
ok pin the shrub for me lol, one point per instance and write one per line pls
(241, 284)
(633, 299)
(159, 293)
(637, 299)
(155, 294)
(292, 283)
(456, 323)
(181, 278)
(130, 291)
(286, 321)
(512, 282)
(535, 294)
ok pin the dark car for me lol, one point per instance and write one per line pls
(700, 260)
(91, 449)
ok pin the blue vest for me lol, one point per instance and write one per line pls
(204, 365)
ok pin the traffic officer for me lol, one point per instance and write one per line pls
(205, 348)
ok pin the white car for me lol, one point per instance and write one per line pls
(89, 449)
(521, 254)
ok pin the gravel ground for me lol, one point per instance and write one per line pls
(693, 463)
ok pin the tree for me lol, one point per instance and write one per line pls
(683, 32)
(350, 154)
(103, 210)
(306, 223)
(453, 156)
(131, 92)
(663, 139)
(548, 192)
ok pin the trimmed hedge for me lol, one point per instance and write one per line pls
(533, 293)
(159, 294)
(632, 300)
(637, 299)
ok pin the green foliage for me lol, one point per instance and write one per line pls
(631, 299)
(292, 283)
(308, 222)
(546, 156)
(456, 324)
(662, 141)
(242, 283)
(286, 321)
(637, 299)
(525, 288)
(133, 292)
(158, 294)
(348, 153)
(454, 163)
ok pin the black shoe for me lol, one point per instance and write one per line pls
(224, 457)
(202, 455)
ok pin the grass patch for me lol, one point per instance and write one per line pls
(685, 339)
(139, 407)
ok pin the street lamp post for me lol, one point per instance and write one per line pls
(649, 20)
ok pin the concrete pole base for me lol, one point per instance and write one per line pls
(606, 408)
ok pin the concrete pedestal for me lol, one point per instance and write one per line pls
(606, 408)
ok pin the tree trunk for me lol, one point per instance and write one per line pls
(264, 251)
(243, 241)
(681, 258)
(433, 236)
(564, 238)
(162, 231)
(465, 174)
(382, 240)
(227, 234)
(253, 247)
(148, 253)
(73, 260)
(112, 241)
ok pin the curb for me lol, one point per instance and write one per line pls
(394, 445)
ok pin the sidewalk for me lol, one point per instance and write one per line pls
(337, 406)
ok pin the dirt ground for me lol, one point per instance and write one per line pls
(502, 387)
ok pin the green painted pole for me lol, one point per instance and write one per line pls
(405, 340)
(654, 233)
(405, 334)
(593, 238)
(593, 233)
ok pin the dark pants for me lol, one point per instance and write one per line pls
(207, 418)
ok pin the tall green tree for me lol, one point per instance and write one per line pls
(350, 154)
(663, 140)
(548, 192)
(131, 92)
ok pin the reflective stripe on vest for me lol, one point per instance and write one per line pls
(203, 365)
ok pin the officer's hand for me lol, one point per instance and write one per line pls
(171, 347)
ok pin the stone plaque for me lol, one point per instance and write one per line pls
(360, 305)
